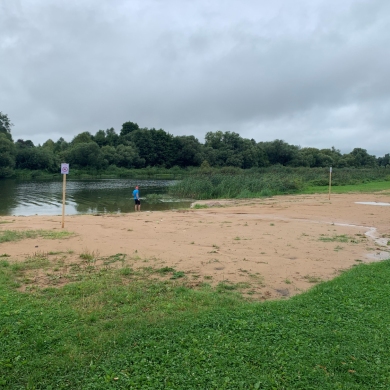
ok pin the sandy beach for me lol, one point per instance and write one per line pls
(275, 247)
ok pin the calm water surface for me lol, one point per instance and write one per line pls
(84, 196)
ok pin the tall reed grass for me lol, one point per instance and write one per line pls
(237, 183)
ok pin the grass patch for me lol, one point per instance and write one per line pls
(104, 334)
(165, 270)
(337, 238)
(343, 189)
(312, 279)
(178, 275)
(16, 235)
(198, 206)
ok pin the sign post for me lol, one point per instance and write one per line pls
(330, 180)
(64, 171)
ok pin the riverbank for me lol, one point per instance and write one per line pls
(267, 248)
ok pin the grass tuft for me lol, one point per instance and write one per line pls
(16, 235)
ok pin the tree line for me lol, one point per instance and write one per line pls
(136, 147)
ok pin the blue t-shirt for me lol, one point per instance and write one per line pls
(136, 194)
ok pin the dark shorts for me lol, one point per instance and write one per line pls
(137, 201)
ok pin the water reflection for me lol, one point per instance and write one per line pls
(82, 196)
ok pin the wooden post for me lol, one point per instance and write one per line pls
(330, 180)
(63, 199)
(64, 171)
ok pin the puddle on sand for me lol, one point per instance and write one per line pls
(372, 234)
(374, 203)
(378, 256)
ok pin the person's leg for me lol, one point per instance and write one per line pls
(135, 205)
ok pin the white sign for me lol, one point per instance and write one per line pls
(64, 169)
(330, 170)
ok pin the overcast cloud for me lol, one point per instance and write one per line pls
(311, 72)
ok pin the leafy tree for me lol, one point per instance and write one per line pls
(61, 145)
(384, 161)
(358, 158)
(234, 159)
(110, 155)
(5, 125)
(49, 144)
(232, 141)
(214, 140)
(36, 158)
(20, 143)
(82, 138)
(100, 138)
(7, 155)
(333, 153)
(262, 157)
(280, 152)
(362, 158)
(311, 157)
(112, 137)
(229, 149)
(163, 148)
(128, 127)
(155, 146)
(87, 154)
(128, 157)
(188, 151)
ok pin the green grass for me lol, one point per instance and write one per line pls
(336, 238)
(119, 332)
(16, 235)
(343, 189)
(198, 206)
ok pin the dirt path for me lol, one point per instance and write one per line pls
(275, 247)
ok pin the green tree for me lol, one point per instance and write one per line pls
(312, 157)
(7, 156)
(128, 157)
(110, 155)
(358, 158)
(34, 158)
(155, 146)
(128, 127)
(61, 146)
(262, 157)
(49, 144)
(22, 144)
(100, 138)
(112, 137)
(188, 151)
(85, 155)
(214, 140)
(362, 158)
(82, 138)
(5, 126)
(384, 161)
(280, 152)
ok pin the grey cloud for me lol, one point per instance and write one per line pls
(313, 73)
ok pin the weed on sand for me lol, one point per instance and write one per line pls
(117, 331)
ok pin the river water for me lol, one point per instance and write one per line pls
(84, 196)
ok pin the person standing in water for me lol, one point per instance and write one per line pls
(137, 201)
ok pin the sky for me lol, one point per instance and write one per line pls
(314, 73)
